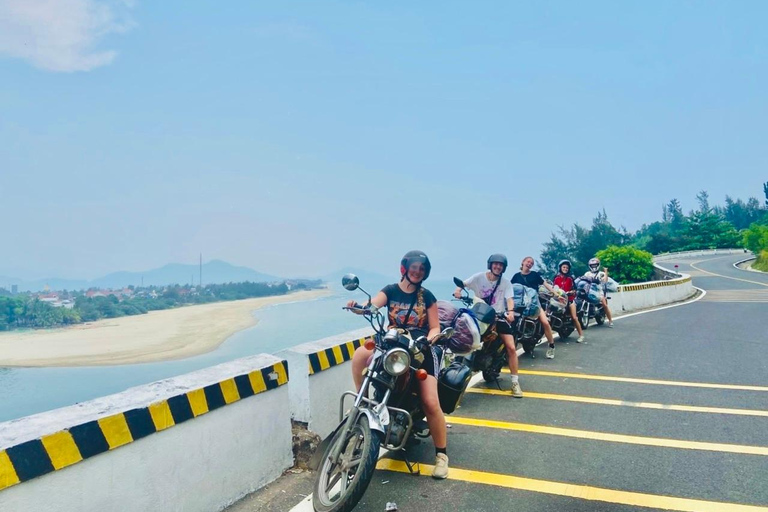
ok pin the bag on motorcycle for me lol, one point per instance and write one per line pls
(582, 287)
(526, 300)
(466, 334)
(611, 286)
(451, 384)
(595, 294)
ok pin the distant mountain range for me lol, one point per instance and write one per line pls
(215, 271)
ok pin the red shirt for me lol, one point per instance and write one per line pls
(565, 282)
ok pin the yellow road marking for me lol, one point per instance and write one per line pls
(584, 492)
(725, 277)
(613, 438)
(641, 381)
(608, 401)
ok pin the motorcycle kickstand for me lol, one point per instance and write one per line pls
(410, 465)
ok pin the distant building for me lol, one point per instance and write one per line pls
(14, 289)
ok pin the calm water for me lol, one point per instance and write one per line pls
(27, 391)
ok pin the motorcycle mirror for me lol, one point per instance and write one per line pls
(447, 333)
(458, 282)
(350, 282)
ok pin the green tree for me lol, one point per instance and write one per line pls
(756, 238)
(627, 264)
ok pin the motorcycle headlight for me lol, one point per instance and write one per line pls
(397, 361)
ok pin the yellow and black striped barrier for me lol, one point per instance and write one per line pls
(324, 359)
(56, 451)
(652, 284)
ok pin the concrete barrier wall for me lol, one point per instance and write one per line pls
(692, 254)
(197, 442)
(319, 377)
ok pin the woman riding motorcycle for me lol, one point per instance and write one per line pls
(497, 293)
(564, 280)
(414, 308)
(596, 276)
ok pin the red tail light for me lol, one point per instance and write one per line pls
(421, 374)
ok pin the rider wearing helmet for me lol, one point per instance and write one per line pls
(564, 280)
(497, 293)
(412, 307)
(596, 276)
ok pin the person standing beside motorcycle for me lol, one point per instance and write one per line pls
(414, 308)
(497, 293)
(596, 276)
(564, 280)
(532, 279)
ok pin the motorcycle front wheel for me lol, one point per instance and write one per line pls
(342, 481)
(565, 332)
(600, 318)
(584, 319)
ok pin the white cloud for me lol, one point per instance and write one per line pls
(61, 35)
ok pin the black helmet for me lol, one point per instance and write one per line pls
(412, 257)
(564, 262)
(498, 258)
(594, 264)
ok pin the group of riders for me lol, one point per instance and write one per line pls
(412, 307)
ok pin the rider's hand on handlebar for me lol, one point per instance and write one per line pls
(510, 316)
(457, 293)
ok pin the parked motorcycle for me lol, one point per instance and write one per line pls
(491, 357)
(588, 303)
(383, 413)
(557, 311)
(528, 330)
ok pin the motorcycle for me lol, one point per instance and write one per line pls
(491, 357)
(557, 311)
(384, 412)
(527, 328)
(588, 303)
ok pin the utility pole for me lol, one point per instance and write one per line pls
(200, 283)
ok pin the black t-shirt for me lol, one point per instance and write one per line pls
(532, 280)
(398, 304)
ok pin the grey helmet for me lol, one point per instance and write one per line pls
(564, 262)
(498, 258)
(594, 264)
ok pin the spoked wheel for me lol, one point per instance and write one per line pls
(341, 481)
(584, 319)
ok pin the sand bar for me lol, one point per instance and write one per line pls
(157, 336)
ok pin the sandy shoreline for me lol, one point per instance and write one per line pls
(157, 336)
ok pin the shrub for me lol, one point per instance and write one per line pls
(627, 264)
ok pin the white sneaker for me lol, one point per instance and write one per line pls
(441, 466)
(516, 390)
(580, 339)
(610, 324)
(551, 353)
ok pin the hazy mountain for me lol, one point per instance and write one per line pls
(215, 271)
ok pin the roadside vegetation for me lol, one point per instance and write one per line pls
(628, 255)
(28, 311)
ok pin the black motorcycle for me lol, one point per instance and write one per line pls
(588, 304)
(492, 356)
(557, 312)
(383, 413)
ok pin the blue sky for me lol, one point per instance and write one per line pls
(300, 137)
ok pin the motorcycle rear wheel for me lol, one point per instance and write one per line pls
(600, 318)
(565, 332)
(340, 483)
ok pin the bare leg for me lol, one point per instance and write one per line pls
(547, 327)
(509, 344)
(607, 309)
(572, 310)
(431, 405)
(359, 362)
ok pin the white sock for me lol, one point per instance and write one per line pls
(514, 378)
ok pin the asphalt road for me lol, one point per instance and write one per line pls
(671, 446)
